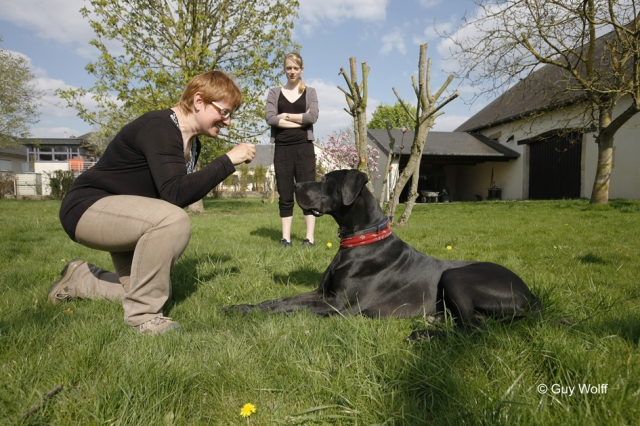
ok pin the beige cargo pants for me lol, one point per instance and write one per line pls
(145, 237)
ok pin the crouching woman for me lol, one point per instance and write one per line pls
(131, 202)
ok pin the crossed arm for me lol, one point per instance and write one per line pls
(294, 121)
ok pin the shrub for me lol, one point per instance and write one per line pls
(60, 182)
(6, 184)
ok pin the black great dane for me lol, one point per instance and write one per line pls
(376, 274)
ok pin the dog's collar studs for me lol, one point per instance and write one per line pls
(367, 236)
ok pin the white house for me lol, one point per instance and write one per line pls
(553, 133)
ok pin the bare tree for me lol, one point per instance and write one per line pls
(426, 112)
(509, 40)
(357, 101)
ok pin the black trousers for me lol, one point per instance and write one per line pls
(293, 163)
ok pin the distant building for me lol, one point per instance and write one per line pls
(447, 158)
(30, 164)
(58, 149)
(14, 160)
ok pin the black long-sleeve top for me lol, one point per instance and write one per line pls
(146, 158)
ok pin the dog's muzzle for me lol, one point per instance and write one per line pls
(304, 199)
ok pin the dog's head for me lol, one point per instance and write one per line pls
(336, 190)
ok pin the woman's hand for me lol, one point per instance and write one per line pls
(242, 153)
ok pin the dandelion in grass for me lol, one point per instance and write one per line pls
(247, 410)
(69, 311)
(555, 247)
(329, 245)
(449, 247)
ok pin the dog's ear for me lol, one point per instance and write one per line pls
(352, 184)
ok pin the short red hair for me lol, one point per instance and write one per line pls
(214, 86)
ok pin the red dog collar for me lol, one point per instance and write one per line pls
(364, 239)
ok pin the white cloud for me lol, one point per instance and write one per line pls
(59, 20)
(393, 41)
(429, 3)
(313, 12)
(56, 119)
(56, 132)
(433, 31)
(448, 123)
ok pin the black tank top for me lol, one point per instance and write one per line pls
(292, 136)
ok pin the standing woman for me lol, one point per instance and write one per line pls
(130, 203)
(291, 111)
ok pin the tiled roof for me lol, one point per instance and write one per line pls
(15, 150)
(54, 141)
(543, 90)
(444, 144)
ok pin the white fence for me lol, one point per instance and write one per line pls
(28, 184)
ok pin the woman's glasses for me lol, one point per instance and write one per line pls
(225, 113)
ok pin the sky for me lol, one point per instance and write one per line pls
(386, 34)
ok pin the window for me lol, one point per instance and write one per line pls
(5, 165)
(52, 153)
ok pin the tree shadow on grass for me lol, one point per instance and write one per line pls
(627, 328)
(187, 275)
(437, 386)
(621, 318)
(274, 234)
(303, 276)
(593, 259)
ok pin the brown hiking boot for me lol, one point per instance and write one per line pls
(60, 290)
(157, 325)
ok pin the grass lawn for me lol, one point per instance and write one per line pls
(582, 261)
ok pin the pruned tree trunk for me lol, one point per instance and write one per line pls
(387, 169)
(357, 101)
(600, 191)
(411, 198)
(198, 206)
(426, 113)
(272, 196)
(607, 128)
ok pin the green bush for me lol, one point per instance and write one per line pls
(60, 182)
(6, 184)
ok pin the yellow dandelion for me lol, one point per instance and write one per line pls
(555, 247)
(247, 410)
(449, 247)
(329, 245)
(69, 311)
